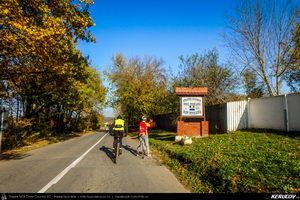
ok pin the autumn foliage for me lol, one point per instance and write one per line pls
(44, 78)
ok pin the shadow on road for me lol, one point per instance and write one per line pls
(13, 156)
(131, 150)
(109, 152)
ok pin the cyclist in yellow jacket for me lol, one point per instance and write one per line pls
(120, 129)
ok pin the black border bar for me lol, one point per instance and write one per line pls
(173, 196)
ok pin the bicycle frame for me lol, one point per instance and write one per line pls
(117, 149)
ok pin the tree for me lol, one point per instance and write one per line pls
(139, 86)
(37, 47)
(293, 76)
(260, 37)
(205, 71)
(33, 33)
(254, 88)
(42, 73)
(78, 92)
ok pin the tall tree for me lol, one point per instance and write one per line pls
(33, 33)
(205, 71)
(293, 76)
(260, 37)
(41, 68)
(139, 86)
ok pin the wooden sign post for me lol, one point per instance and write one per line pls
(192, 121)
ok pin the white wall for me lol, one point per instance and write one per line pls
(267, 112)
(263, 113)
(293, 101)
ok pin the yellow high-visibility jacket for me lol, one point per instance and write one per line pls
(119, 125)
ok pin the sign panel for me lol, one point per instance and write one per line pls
(191, 106)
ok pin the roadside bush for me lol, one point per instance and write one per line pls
(18, 134)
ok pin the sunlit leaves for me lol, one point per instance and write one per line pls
(139, 86)
(40, 62)
(204, 70)
(32, 31)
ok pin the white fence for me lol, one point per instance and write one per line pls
(278, 113)
(237, 116)
(293, 112)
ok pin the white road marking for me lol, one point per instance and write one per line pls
(73, 164)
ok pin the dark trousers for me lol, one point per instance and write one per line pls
(118, 134)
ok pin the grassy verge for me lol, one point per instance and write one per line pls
(242, 161)
(31, 145)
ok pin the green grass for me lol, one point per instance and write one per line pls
(242, 161)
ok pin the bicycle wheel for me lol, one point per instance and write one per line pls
(117, 150)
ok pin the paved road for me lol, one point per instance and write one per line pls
(84, 164)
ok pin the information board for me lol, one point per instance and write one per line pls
(191, 106)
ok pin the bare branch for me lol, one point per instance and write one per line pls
(260, 36)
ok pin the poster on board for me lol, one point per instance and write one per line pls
(191, 106)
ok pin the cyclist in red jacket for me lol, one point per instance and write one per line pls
(143, 137)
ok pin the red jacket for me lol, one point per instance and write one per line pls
(144, 127)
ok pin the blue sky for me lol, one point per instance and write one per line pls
(162, 28)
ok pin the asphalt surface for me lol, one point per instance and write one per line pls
(82, 166)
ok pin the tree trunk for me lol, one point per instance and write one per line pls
(18, 108)
(277, 85)
(264, 75)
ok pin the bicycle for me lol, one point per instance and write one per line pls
(117, 150)
(141, 145)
